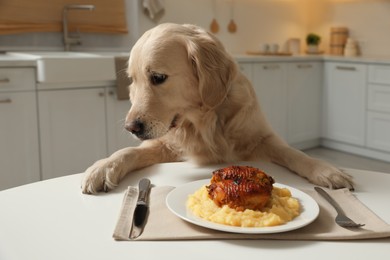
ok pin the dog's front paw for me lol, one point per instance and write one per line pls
(329, 176)
(103, 175)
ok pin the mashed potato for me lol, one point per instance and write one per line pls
(280, 209)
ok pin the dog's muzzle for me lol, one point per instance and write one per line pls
(137, 128)
(144, 132)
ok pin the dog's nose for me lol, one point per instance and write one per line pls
(136, 127)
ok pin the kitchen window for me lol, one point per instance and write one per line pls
(23, 16)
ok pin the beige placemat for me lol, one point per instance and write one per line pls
(164, 225)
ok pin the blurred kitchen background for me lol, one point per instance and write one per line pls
(61, 111)
(258, 22)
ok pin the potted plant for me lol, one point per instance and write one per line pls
(312, 41)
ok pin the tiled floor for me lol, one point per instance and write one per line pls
(347, 160)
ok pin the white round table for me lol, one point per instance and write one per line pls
(53, 220)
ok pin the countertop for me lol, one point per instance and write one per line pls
(16, 59)
(27, 59)
(10, 60)
(294, 58)
(52, 219)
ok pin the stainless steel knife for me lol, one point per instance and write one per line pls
(141, 211)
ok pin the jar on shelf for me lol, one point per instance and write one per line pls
(351, 48)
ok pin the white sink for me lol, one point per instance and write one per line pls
(66, 67)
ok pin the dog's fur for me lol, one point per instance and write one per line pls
(205, 111)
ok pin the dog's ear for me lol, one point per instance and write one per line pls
(213, 66)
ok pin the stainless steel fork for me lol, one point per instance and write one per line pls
(341, 219)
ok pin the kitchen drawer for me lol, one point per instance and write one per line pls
(378, 131)
(16, 79)
(379, 98)
(379, 74)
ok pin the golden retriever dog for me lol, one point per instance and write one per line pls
(191, 102)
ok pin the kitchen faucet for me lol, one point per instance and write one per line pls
(75, 39)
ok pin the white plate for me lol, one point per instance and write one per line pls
(176, 202)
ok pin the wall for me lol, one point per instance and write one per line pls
(258, 21)
(368, 22)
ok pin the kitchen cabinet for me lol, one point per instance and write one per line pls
(72, 124)
(271, 90)
(19, 149)
(290, 96)
(79, 126)
(345, 103)
(304, 103)
(247, 69)
(378, 102)
(118, 136)
(81, 123)
(378, 131)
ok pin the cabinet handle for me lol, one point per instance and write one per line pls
(4, 81)
(271, 67)
(101, 94)
(111, 92)
(304, 66)
(4, 101)
(345, 68)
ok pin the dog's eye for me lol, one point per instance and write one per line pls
(157, 78)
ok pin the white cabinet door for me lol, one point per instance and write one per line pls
(247, 69)
(345, 102)
(378, 131)
(118, 136)
(270, 87)
(19, 150)
(72, 130)
(303, 101)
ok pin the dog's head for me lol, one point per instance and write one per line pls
(176, 70)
